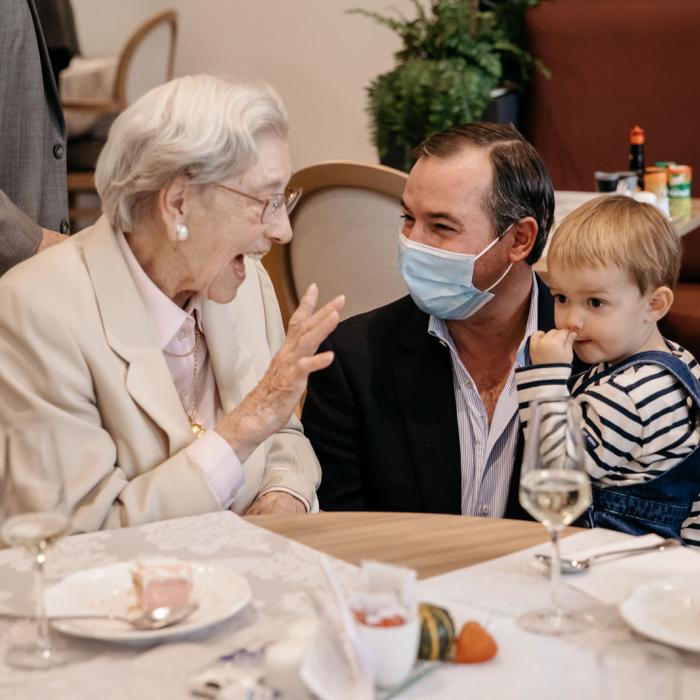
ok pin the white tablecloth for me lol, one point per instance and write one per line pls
(531, 666)
(281, 573)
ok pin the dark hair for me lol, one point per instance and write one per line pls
(521, 184)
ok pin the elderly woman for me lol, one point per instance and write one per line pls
(145, 343)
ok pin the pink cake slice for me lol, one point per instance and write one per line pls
(161, 583)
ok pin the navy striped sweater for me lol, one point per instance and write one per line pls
(641, 420)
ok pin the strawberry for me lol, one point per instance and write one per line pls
(474, 644)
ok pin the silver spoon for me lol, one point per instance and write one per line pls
(575, 566)
(155, 619)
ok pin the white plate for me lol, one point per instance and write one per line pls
(219, 592)
(666, 610)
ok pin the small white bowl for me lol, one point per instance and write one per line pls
(392, 650)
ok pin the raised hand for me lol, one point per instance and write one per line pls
(269, 405)
(556, 345)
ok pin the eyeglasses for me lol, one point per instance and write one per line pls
(274, 203)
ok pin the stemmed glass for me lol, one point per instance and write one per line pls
(33, 515)
(554, 489)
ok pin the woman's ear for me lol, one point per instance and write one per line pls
(524, 234)
(660, 300)
(171, 205)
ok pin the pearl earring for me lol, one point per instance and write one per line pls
(182, 233)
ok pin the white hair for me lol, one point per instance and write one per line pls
(199, 125)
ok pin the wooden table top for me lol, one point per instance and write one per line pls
(430, 543)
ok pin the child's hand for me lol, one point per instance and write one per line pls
(554, 346)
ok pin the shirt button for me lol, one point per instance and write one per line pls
(58, 151)
(182, 335)
(485, 509)
(65, 227)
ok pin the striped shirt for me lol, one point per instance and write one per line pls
(487, 451)
(640, 422)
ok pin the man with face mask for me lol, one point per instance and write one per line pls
(419, 410)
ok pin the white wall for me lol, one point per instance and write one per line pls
(103, 25)
(318, 58)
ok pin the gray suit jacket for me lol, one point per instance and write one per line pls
(32, 137)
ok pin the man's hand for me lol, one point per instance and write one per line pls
(554, 346)
(49, 238)
(276, 502)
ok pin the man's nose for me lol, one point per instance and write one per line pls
(279, 230)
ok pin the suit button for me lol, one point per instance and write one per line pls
(65, 227)
(58, 151)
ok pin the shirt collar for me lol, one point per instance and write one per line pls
(438, 328)
(166, 316)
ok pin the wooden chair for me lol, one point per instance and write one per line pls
(146, 61)
(346, 228)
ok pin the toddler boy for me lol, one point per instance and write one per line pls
(612, 265)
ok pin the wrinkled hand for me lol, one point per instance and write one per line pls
(276, 502)
(49, 238)
(554, 346)
(268, 407)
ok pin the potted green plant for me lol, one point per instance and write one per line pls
(455, 54)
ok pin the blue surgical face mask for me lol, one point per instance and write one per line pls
(440, 282)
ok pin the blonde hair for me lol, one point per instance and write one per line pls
(199, 125)
(617, 230)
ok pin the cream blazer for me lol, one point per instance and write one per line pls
(78, 356)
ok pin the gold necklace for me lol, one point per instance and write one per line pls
(184, 354)
(197, 428)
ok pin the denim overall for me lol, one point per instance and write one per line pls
(662, 504)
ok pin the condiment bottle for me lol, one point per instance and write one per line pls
(637, 154)
(679, 182)
(656, 181)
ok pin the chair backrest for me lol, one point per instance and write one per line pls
(345, 237)
(147, 59)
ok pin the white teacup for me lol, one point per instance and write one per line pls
(391, 650)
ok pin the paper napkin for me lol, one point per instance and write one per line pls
(335, 667)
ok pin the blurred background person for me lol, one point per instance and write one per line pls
(33, 194)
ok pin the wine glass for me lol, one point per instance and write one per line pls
(33, 515)
(554, 489)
